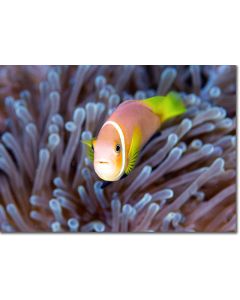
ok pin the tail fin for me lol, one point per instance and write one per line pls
(166, 107)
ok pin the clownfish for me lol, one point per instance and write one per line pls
(115, 151)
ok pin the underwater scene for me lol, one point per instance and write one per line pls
(111, 149)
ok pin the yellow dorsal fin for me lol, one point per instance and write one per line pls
(134, 150)
(166, 107)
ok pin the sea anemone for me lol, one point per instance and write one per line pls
(184, 180)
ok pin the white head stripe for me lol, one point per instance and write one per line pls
(120, 132)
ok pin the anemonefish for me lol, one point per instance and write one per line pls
(115, 151)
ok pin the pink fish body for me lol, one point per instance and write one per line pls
(127, 130)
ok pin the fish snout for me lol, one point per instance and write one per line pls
(105, 169)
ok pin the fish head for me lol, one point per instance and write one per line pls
(109, 153)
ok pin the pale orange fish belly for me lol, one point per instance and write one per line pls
(133, 113)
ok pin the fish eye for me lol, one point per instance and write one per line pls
(118, 148)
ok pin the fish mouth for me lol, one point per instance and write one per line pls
(102, 162)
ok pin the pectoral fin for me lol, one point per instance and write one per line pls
(90, 148)
(134, 150)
